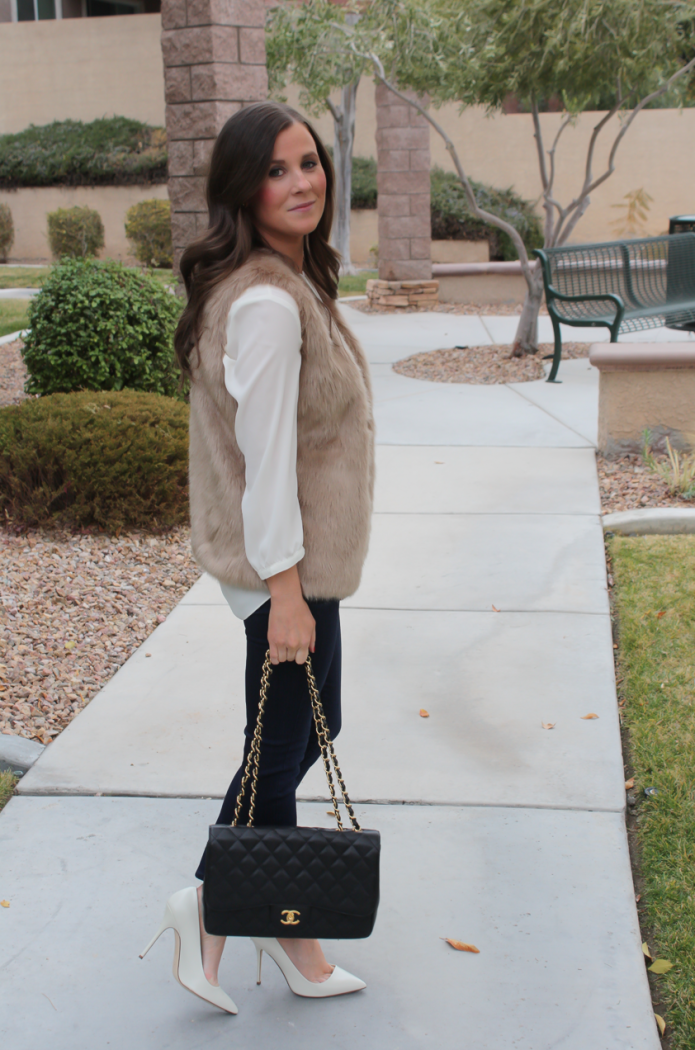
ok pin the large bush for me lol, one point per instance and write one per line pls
(75, 232)
(115, 460)
(148, 226)
(101, 326)
(363, 182)
(452, 219)
(6, 232)
(112, 151)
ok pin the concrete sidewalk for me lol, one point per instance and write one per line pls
(484, 600)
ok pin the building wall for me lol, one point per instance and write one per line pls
(85, 68)
(657, 154)
(81, 69)
(30, 207)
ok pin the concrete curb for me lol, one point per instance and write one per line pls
(18, 754)
(12, 336)
(656, 521)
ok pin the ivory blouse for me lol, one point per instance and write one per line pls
(262, 361)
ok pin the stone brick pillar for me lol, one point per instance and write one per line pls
(403, 179)
(214, 63)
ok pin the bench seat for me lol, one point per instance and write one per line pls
(625, 286)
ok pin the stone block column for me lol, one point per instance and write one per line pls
(403, 180)
(214, 64)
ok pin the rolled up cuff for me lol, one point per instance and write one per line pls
(281, 566)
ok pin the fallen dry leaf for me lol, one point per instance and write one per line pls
(4, 904)
(645, 949)
(592, 715)
(660, 614)
(638, 898)
(661, 1023)
(461, 946)
(495, 609)
(548, 725)
(660, 966)
(423, 713)
(629, 783)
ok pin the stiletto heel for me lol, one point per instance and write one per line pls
(181, 916)
(259, 953)
(340, 981)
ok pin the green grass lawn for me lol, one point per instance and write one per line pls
(34, 276)
(655, 601)
(13, 315)
(23, 276)
(355, 284)
(7, 786)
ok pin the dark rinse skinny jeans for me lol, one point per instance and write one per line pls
(289, 746)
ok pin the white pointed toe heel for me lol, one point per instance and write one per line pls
(181, 916)
(340, 981)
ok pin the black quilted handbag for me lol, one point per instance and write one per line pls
(291, 882)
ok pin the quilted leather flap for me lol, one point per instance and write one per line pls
(337, 871)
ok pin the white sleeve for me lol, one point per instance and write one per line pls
(262, 363)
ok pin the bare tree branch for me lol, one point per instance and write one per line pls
(479, 212)
(538, 136)
(333, 111)
(580, 204)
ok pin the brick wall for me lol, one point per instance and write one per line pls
(403, 162)
(214, 63)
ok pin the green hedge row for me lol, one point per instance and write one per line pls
(452, 219)
(451, 216)
(116, 460)
(112, 151)
(117, 151)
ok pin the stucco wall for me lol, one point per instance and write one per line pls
(657, 154)
(30, 207)
(81, 68)
(90, 67)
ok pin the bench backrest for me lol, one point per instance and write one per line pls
(647, 273)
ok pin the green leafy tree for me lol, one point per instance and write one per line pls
(478, 52)
(304, 45)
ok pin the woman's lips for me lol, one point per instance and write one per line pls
(303, 207)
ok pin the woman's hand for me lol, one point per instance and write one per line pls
(291, 627)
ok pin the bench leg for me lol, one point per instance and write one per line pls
(557, 355)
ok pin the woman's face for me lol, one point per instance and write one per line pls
(291, 199)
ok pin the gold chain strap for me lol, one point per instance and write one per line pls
(325, 743)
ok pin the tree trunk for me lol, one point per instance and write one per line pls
(344, 124)
(526, 338)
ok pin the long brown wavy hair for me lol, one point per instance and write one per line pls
(239, 164)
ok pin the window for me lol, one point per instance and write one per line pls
(33, 10)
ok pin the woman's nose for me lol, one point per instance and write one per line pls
(301, 183)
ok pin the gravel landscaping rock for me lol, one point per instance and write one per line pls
(74, 608)
(12, 373)
(482, 309)
(627, 483)
(482, 365)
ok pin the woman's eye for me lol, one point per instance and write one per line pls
(309, 164)
(275, 172)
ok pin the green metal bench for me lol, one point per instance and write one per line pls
(625, 286)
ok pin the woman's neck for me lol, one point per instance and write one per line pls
(291, 247)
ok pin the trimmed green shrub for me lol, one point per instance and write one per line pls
(148, 226)
(112, 151)
(75, 232)
(452, 220)
(6, 232)
(116, 460)
(363, 182)
(101, 326)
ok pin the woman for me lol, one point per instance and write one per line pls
(281, 472)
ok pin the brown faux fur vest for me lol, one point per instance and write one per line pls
(335, 444)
